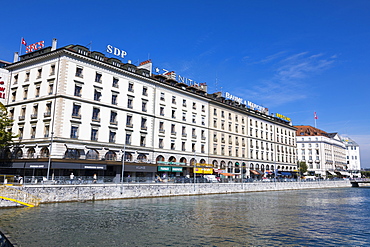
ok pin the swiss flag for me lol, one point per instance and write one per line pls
(24, 42)
(315, 116)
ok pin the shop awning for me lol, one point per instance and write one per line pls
(286, 173)
(227, 174)
(331, 173)
(343, 173)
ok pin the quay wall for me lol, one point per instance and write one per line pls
(71, 193)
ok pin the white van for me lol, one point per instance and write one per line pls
(211, 178)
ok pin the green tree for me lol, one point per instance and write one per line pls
(6, 136)
(302, 166)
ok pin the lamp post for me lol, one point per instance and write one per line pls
(49, 160)
(194, 169)
(123, 162)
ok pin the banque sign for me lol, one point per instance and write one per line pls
(250, 105)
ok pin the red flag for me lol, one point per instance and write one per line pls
(315, 116)
(24, 42)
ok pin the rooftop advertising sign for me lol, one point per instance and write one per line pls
(249, 104)
(179, 78)
(282, 117)
(116, 51)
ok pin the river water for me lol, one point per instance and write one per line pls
(322, 217)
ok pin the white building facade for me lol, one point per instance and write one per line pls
(324, 153)
(352, 154)
(79, 111)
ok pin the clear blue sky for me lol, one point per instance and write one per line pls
(294, 57)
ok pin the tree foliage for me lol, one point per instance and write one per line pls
(302, 167)
(6, 136)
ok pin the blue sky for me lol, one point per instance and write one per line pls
(293, 57)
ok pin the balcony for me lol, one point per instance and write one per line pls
(33, 116)
(114, 122)
(194, 136)
(96, 119)
(184, 135)
(21, 118)
(47, 114)
(76, 115)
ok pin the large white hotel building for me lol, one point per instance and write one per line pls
(79, 111)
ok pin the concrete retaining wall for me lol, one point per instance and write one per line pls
(69, 193)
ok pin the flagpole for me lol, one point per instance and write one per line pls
(20, 47)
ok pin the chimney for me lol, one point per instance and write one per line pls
(54, 45)
(16, 57)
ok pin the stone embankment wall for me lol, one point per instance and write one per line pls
(70, 193)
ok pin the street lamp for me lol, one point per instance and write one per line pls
(123, 162)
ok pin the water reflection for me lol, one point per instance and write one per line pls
(307, 218)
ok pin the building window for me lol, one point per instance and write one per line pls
(51, 88)
(173, 115)
(95, 114)
(39, 73)
(173, 99)
(173, 129)
(33, 132)
(52, 69)
(184, 102)
(115, 82)
(161, 111)
(97, 95)
(183, 132)
(215, 112)
(114, 99)
(37, 91)
(184, 116)
(94, 135)
(202, 149)
(128, 139)
(162, 96)
(112, 136)
(173, 146)
(15, 79)
(14, 95)
(194, 106)
(143, 123)
(193, 147)
(76, 111)
(222, 114)
(27, 76)
(130, 103)
(113, 118)
(79, 71)
(129, 121)
(194, 118)
(131, 87)
(183, 145)
(203, 121)
(25, 92)
(144, 106)
(46, 130)
(74, 132)
(145, 91)
(203, 108)
(161, 127)
(193, 133)
(142, 141)
(35, 111)
(98, 77)
(160, 143)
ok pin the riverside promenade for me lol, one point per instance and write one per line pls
(92, 192)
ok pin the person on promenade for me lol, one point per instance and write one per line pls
(71, 177)
(95, 178)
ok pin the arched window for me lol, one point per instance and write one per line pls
(92, 154)
(18, 153)
(110, 155)
(251, 166)
(44, 152)
(262, 167)
(257, 166)
(193, 162)
(267, 167)
(202, 161)
(141, 158)
(183, 160)
(128, 157)
(72, 153)
(223, 164)
(172, 159)
(159, 158)
(31, 153)
(215, 163)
